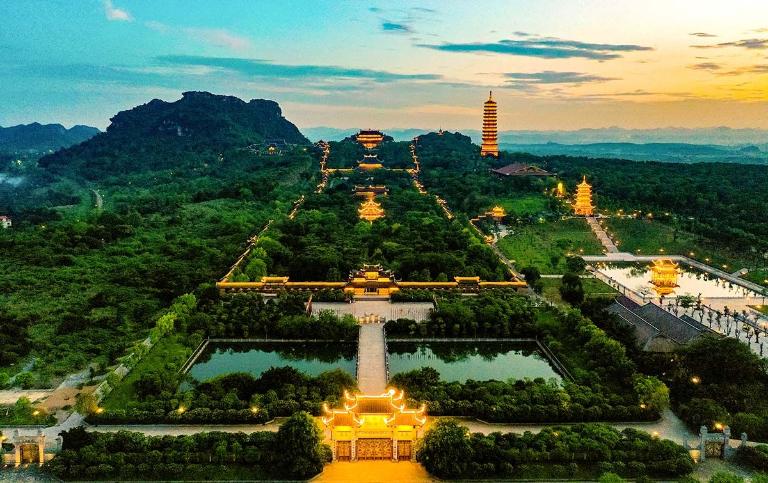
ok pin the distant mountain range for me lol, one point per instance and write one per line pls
(716, 135)
(666, 152)
(42, 137)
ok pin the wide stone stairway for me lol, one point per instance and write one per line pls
(372, 360)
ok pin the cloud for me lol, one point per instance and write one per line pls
(545, 47)
(115, 14)
(751, 44)
(216, 37)
(750, 69)
(264, 68)
(706, 66)
(552, 77)
(219, 38)
(702, 34)
(396, 27)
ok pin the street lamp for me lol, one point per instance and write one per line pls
(695, 379)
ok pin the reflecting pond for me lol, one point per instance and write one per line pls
(254, 358)
(481, 361)
(691, 281)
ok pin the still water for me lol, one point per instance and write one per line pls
(255, 358)
(691, 281)
(480, 361)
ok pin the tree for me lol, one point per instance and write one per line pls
(300, 452)
(651, 392)
(445, 450)
(572, 289)
(86, 403)
(725, 477)
(610, 478)
(575, 264)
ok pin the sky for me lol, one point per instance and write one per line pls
(552, 64)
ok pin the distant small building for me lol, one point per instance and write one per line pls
(520, 169)
(5, 222)
(370, 138)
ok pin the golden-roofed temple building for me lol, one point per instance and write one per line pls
(490, 146)
(371, 190)
(370, 138)
(370, 210)
(497, 213)
(664, 274)
(369, 162)
(374, 427)
(583, 205)
(368, 281)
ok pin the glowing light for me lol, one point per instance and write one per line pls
(695, 379)
(181, 409)
(718, 426)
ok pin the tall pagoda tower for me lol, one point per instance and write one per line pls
(490, 145)
(583, 205)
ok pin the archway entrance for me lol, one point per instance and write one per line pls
(374, 449)
(30, 453)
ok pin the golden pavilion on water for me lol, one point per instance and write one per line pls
(374, 427)
(664, 273)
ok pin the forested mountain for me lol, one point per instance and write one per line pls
(167, 135)
(42, 137)
(108, 232)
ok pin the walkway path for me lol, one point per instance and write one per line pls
(370, 471)
(418, 311)
(601, 235)
(372, 360)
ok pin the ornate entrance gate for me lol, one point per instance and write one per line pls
(30, 453)
(404, 450)
(374, 449)
(344, 450)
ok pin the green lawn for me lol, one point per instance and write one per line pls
(169, 351)
(757, 276)
(545, 245)
(592, 288)
(525, 205)
(647, 237)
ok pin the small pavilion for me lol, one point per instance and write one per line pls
(664, 274)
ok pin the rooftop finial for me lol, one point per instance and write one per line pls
(490, 95)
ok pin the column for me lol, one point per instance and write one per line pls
(16, 448)
(394, 449)
(703, 443)
(353, 450)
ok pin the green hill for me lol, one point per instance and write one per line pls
(167, 135)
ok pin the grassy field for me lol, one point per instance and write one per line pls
(525, 205)
(592, 288)
(169, 351)
(647, 237)
(546, 245)
(757, 276)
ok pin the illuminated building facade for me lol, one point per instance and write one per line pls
(583, 205)
(560, 190)
(370, 210)
(664, 273)
(370, 280)
(490, 146)
(374, 427)
(370, 139)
